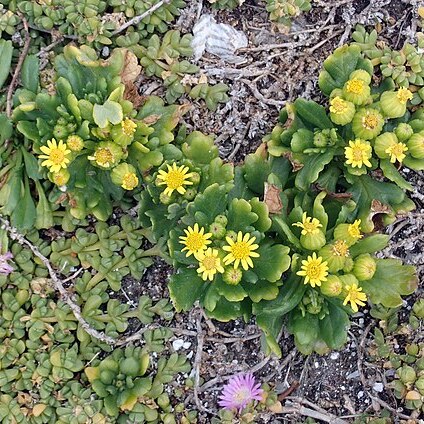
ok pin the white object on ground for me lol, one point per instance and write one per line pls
(221, 40)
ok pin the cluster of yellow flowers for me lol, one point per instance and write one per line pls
(315, 269)
(240, 251)
(58, 155)
(353, 104)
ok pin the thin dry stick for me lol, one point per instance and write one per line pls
(137, 19)
(15, 235)
(198, 361)
(21, 59)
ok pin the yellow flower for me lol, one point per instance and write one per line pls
(354, 230)
(195, 240)
(56, 155)
(340, 248)
(396, 152)
(358, 153)
(175, 178)
(75, 143)
(355, 86)
(107, 155)
(309, 225)
(404, 95)
(338, 105)
(61, 177)
(128, 127)
(129, 181)
(314, 270)
(355, 296)
(209, 263)
(241, 250)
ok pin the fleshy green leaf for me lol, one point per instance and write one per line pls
(185, 288)
(109, 112)
(390, 281)
(272, 262)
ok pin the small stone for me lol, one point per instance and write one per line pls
(352, 375)
(186, 345)
(316, 364)
(177, 344)
(378, 387)
(360, 394)
(334, 356)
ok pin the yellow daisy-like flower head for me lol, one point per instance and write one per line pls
(56, 155)
(341, 248)
(241, 251)
(195, 240)
(355, 86)
(75, 143)
(209, 263)
(129, 181)
(396, 152)
(354, 230)
(314, 269)
(338, 105)
(175, 179)
(355, 296)
(358, 153)
(128, 127)
(309, 225)
(107, 155)
(61, 177)
(403, 95)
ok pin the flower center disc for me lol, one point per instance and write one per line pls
(174, 179)
(57, 156)
(240, 250)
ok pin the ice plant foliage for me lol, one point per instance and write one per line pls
(239, 392)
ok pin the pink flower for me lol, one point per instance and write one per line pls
(5, 268)
(239, 392)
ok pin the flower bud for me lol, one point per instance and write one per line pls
(60, 178)
(123, 133)
(335, 254)
(232, 276)
(367, 123)
(383, 143)
(106, 155)
(348, 280)
(313, 241)
(195, 178)
(75, 143)
(364, 267)
(232, 234)
(393, 103)
(165, 199)
(221, 219)
(362, 75)
(348, 266)
(403, 131)
(218, 231)
(415, 146)
(350, 233)
(341, 111)
(332, 287)
(125, 176)
(190, 193)
(60, 132)
(356, 91)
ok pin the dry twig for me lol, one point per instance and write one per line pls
(137, 19)
(21, 59)
(58, 285)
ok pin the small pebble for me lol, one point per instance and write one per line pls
(334, 356)
(316, 364)
(378, 387)
(178, 344)
(360, 394)
(354, 374)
